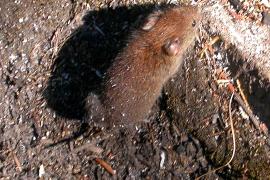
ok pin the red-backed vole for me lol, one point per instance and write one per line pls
(152, 55)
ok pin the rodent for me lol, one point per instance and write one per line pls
(152, 55)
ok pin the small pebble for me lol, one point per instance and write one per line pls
(20, 20)
(162, 160)
(41, 171)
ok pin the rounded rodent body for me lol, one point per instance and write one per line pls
(152, 55)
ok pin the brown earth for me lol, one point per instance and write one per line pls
(53, 56)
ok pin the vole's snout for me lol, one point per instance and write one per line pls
(172, 46)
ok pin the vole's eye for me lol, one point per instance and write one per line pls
(193, 23)
(172, 46)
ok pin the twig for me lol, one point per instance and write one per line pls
(246, 107)
(212, 42)
(242, 93)
(16, 161)
(106, 166)
(234, 144)
(253, 118)
(242, 100)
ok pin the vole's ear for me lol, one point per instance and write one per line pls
(172, 46)
(151, 20)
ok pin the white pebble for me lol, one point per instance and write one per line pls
(41, 171)
(20, 20)
(162, 159)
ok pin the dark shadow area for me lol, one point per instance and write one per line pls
(256, 90)
(85, 56)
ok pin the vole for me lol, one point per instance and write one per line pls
(152, 55)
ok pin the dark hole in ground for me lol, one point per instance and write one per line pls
(256, 90)
(86, 55)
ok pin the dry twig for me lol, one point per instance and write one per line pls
(253, 118)
(16, 160)
(242, 93)
(106, 166)
(246, 107)
(209, 45)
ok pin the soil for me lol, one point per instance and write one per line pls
(53, 57)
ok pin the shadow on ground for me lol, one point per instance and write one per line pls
(253, 86)
(85, 56)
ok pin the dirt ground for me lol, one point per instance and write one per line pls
(53, 56)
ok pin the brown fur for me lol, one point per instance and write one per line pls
(136, 77)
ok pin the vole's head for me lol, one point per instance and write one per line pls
(170, 32)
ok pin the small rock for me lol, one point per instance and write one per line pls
(20, 20)
(162, 160)
(41, 171)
